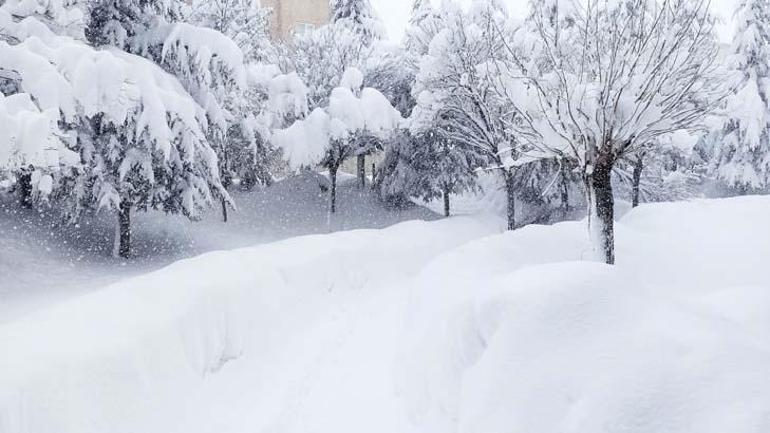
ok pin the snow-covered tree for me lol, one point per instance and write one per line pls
(397, 177)
(327, 135)
(424, 24)
(443, 168)
(270, 101)
(456, 90)
(593, 84)
(247, 154)
(207, 63)
(33, 148)
(742, 157)
(321, 57)
(123, 23)
(359, 16)
(243, 21)
(139, 135)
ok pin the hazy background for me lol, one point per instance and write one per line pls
(395, 14)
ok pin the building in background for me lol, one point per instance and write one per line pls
(290, 16)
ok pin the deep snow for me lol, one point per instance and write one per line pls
(43, 261)
(425, 327)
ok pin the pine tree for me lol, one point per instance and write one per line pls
(424, 23)
(444, 168)
(400, 175)
(141, 134)
(742, 159)
(207, 63)
(243, 21)
(359, 16)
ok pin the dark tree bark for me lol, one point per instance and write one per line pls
(226, 182)
(601, 208)
(638, 167)
(25, 189)
(124, 229)
(361, 171)
(333, 190)
(510, 188)
(374, 176)
(446, 200)
(565, 189)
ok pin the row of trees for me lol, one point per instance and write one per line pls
(581, 96)
(166, 106)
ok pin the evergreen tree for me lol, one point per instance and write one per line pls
(444, 168)
(141, 134)
(424, 23)
(359, 16)
(207, 63)
(120, 23)
(243, 21)
(742, 159)
(399, 175)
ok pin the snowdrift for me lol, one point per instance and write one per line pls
(426, 327)
(515, 333)
(150, 354)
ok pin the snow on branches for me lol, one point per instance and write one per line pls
(351, 110)
(742, 159)
(326, 135)
(139, 135)
(594, 84)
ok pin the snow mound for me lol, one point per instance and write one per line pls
(498, 333)
(526, 337)
(576, 347)
(144, 354)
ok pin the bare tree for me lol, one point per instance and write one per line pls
(604, 78)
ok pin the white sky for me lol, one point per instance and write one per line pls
(395, 14)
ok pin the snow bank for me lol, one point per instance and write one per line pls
(144, 354)
(526, 337)
(508, 332)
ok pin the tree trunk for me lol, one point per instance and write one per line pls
(601, 211)
(361, 171)
(124, 229)
(333, 190)
(446, 201)
(374, 176)
(224, 210)
(227, 181)
(565, 190)
(25, 189)
(638, 167)
(510, 198)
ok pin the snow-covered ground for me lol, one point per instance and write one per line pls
(43, 261)
(422, 327)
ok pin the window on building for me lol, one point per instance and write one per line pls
(302, 28)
